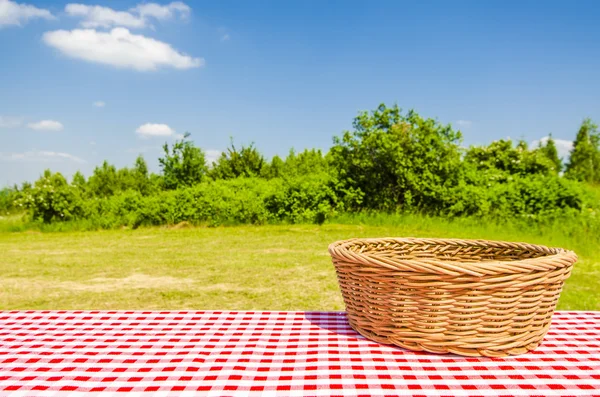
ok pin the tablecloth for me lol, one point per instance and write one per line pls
(221, 353)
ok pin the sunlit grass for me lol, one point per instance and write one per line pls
(284, 267)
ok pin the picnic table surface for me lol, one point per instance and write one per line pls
(270, 353)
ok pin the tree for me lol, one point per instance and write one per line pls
(306, 162)
(501, 158)
(309, 161)
(234, 163)
(104, 181)
(141, 168)
(78, 180)
(141, 176)
(398, 160)
(183, 165)
(125, 180)
(584, 164)
(549, 149)
(275, 169)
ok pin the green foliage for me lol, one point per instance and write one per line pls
(246, 162)
(534, 197)
(12, 199)
(398, 161)
(584, 164)
(7, 200)
(52, 199)
(137, 178)
(303, 199)
(306, 162)
(391, 162)
(550, 151)
(234, 201)
(141, 177)
(184, 165)
(501, 158)
(78, 180)
(311, 198)
(104, 181)
(107, 180)
(274, 169)
(309, 161)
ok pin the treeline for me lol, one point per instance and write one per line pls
(391, 161)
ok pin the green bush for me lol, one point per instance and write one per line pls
(246, 162)
(221, 202)
(399, 161)
(183, 165)
(7, 201)
(303, 199)
(500, 157)
(530, 196)
(52, 199)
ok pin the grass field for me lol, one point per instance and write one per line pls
(284, 267)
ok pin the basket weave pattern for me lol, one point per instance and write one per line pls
(468, 297)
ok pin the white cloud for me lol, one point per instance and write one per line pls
(40, 156)
(103, 17)
(137, 17)
(563, 147)
(163, 12)
(464, 123)
(10, 122)
(119, 48)
(150, 130)
(212, 155)
(46, 125)
(12, 13)
(99, 104)
(225, 37)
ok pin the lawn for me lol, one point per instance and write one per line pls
(275, 267)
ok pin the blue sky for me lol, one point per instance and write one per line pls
(281, 74)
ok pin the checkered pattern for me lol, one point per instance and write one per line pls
(270, 353)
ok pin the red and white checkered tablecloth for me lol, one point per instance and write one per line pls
(270, 353)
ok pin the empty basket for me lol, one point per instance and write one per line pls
(469, 297)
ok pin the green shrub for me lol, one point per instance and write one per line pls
(500, 157)
(530, 196)
(52, 199)
(246, 162)
(399, 161)
(183, 165)
(8, 203)
(303, 199)
(221, 202)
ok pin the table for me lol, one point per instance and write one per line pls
(270, 353)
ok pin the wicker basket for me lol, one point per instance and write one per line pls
(468, 297)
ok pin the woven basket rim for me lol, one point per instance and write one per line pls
(553, 258)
